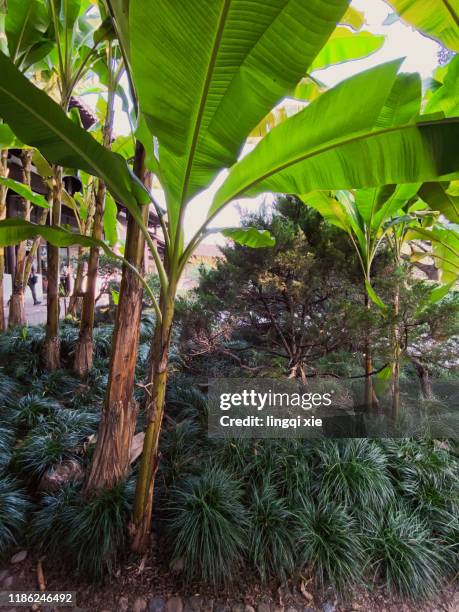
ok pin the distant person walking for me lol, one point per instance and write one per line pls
(32, 283)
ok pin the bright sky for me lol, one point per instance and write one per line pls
(401, 41)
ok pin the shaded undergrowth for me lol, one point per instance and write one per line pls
(344, 512)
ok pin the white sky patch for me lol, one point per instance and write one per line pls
(420, 55)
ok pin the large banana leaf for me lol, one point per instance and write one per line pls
(25, 192)
(446, 97)
(13, 231)
(403, 103)
(445, 249)
(438, 19)
(250, 236)
(25, 24)
(323, 147)
(439, 199)
(207, 71)
(39, 122)
(344, 45)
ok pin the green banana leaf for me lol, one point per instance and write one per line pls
(344, 45)
(207, 71)
(250, 236)
(25, 192)
(322, 147)
(437, 198)
(446, 97)
(404, 102)
(25, 25)
(445, 248)
(13, 231)
(110, 220)
(39, 122)
(438, 19)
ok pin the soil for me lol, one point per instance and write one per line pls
(149, 585)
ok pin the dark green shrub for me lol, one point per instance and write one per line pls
(206, 526)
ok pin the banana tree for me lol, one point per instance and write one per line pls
(76, 37)
(84, 349)
(23, 33)
(230, 72)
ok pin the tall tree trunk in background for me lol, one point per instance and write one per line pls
(77, 293)
(17, 305)
(84, 349)
(144, 497)
(3, 192)
(51, 349)
(424, 379)
(110, 462)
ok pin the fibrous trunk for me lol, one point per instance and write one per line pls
(77, 293)
(111, 457)
(17, 301)
(51, 349)
(84, 349)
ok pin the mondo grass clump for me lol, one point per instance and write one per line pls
(405, 556)
(329, 543)
(13, 514)
(207, 526)
(86, 533)
(355, 473)
(7, 438)
(54, 439)
(30, 409)
(271, 535)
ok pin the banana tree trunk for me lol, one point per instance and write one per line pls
(110, 462)
(17, 300)
(51, 349)
(77, 293)
(143, 507)
(84, 349)
(3, 192)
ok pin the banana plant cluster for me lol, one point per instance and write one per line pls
(203, 74)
